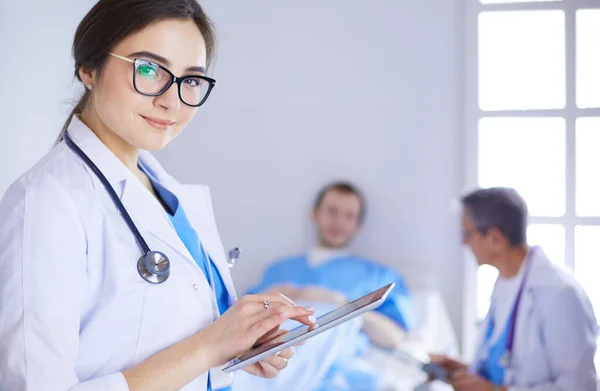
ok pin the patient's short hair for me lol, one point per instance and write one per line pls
(342, 187)
(499, 207)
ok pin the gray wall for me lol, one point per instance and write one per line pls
(36, 78)
(307, 92)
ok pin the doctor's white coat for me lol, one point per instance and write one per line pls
(555, 333)
(74, 311)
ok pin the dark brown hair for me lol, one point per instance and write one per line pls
(111, 21)
(342, 187)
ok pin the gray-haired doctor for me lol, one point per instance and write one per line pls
(540, 332)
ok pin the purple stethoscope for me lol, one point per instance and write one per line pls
(506, 359)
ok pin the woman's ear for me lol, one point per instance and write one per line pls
(88, 78)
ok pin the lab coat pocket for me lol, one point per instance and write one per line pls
(174, 310)
(110, 332)
(529, 345)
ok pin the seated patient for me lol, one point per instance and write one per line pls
(328, 273)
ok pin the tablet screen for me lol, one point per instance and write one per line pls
(322, 321)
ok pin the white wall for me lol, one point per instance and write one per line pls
(307, 92)
(36, 78)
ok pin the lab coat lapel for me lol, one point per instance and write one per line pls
(149, 215)
(523, 323)
(536, 279)
(197, 204)
(145, 211)
(110, 166)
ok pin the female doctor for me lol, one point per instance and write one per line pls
(113, 274)
(540, 332)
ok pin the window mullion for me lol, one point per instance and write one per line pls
(570, 117)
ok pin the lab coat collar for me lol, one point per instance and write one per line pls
(542, 272)
(113, 169)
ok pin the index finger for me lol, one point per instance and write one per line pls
(299, 315)
(307, 320)
(260, 326)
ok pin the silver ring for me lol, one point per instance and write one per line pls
(267, 304)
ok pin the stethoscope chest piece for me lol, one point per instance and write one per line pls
(154, 267)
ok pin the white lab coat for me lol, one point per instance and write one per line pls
(74, 311)
(555, 333)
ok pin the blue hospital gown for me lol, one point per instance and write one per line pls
(352, 276)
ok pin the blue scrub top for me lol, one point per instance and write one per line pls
(192, 242)
(492, 368)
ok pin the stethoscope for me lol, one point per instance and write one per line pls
(153, 266)
(507, 358)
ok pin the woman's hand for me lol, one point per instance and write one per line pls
(247, 323)
(271, 366)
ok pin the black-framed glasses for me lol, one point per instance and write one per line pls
(151, 79)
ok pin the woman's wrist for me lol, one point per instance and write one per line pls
(205, 355)
(174, 367)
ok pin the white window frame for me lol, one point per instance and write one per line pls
(473, 113)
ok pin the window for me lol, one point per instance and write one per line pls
(533, 123)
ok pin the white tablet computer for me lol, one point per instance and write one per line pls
(293, 337)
